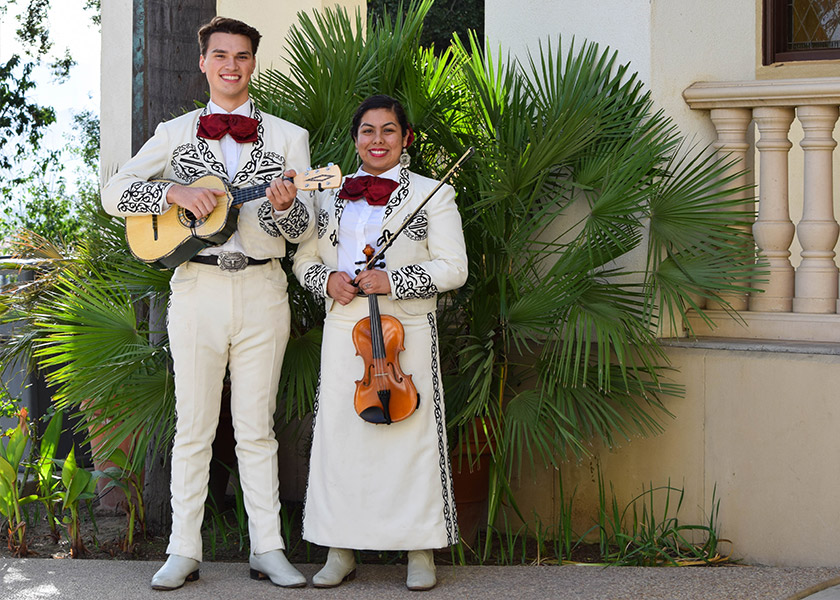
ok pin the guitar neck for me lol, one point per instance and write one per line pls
(247, 194)
(322, 178)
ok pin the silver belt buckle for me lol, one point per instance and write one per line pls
(232, 261)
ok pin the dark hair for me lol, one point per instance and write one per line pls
(226, 25)
(378, 101)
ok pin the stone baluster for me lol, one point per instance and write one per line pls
(773, 230)
(816, 275)
(731, 126)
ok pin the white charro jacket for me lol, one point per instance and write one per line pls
(176, 154)
(428, 257)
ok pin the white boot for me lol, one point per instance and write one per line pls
(340, 566)
(421, 570)
(275, 566)
(174, 572)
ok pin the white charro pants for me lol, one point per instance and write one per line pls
(239, 320)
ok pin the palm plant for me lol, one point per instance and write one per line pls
(586, 217)
(84, 320)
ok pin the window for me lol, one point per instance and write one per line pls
(801, 30)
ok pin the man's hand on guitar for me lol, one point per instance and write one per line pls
(166, 240)
(282, 191)
(199, 201)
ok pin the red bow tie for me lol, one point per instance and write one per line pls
(376, 190)
(241, 128)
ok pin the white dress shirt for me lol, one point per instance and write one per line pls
(231, 151)
(360, 225)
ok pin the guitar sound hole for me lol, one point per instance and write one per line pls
(187, 218)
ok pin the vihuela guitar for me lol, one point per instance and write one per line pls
(176, 236)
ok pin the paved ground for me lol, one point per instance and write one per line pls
(31, 579)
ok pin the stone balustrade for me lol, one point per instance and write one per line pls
(797, 302)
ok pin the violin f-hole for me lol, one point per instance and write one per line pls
(385, 394)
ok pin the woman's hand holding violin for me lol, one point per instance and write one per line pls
(342, 289)
(372, 281)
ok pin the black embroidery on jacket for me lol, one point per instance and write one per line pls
(383, 239)
(186, 163)
(265, 216)
(339, 210)
(210, 161)
(315, 280)
(418, 229)
(315, 407)
(273, 165)
(399, 196)
(449, 515)
(142, 197)
(294, 224)
(323, 221)
(413, 282)
(255, 158)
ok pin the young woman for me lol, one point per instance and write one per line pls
(381, 486)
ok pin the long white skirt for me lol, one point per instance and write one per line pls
(379, 487)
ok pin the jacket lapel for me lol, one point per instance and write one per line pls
(338, 210)
(251, 154)
(398, 200)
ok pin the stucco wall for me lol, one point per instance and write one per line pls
(669, 43)
(772, 448)
(519, 26)
(115, 83)
(274, 19)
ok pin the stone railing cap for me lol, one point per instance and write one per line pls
(705, 95)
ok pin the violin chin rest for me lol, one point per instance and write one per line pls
(374, 414)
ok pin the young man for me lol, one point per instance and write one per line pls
(228, 304)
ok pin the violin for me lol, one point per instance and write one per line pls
(384, 394)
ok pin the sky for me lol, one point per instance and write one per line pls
(70, 27)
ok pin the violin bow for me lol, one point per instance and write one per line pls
(464, 158)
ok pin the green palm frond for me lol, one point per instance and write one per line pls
(603, 415)
(535, 429)
(299, 377)
(105, 366)
(700, 243)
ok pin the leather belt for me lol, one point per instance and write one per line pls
(229, 261)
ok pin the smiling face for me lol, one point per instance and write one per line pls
(228, 65)
(379, 140)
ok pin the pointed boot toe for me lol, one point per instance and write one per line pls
(175, 572)
(340, 567)
(275, 566)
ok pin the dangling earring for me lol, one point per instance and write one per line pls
(405, 159)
